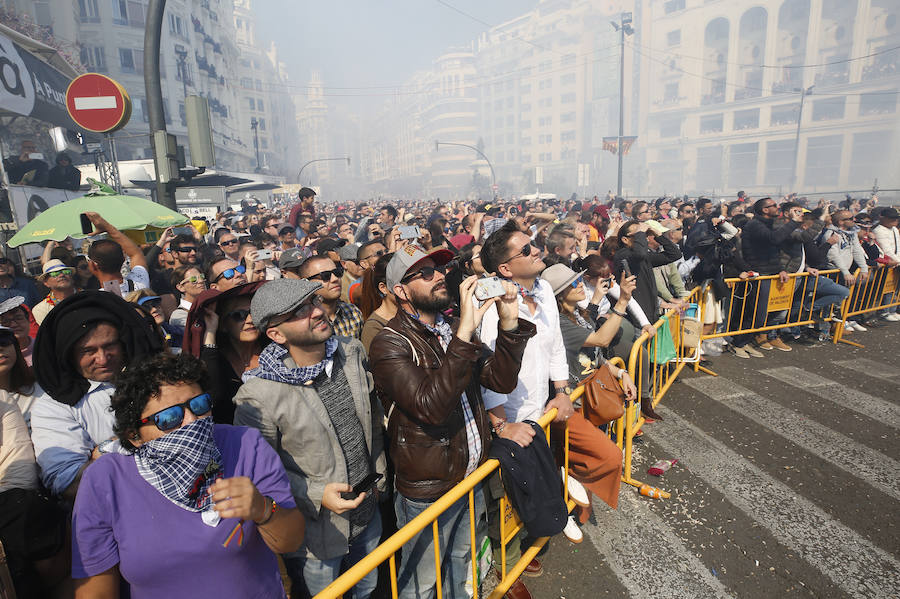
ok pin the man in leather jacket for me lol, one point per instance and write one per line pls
(428, 373)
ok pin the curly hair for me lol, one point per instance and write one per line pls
(140, 382)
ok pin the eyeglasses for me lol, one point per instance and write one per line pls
(238, 315)
(770, 206)
(172, 417)
(524, 252)
(15, 315)
(326, 275)
(194, 279)
(186, 250)
(377, 254)
(304, 310)
(62, 271)
(229, 242)
(231, 273)
(426, 272)
(7, 339)
(643, 212)
(577, 282)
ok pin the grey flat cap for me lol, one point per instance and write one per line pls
(348, 252)
(278, 297)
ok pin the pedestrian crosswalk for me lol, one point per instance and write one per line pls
(774, 494)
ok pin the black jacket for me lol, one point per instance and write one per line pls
(532, 483)
(641, 262)
(761, 244)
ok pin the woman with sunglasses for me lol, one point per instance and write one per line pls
(149, 305)
(192, 497)
(190, 283)
(594, 460)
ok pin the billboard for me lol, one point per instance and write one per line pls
(31, 87)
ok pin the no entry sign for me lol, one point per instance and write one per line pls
(97, 103)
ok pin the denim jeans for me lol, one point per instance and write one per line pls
(318, 574)
(417, 576)
(828, 293)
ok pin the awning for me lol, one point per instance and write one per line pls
(30, 86)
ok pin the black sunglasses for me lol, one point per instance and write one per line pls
(231, 273)
(238, 315)
(230, 242)
(426, 272)
(186, 250)
(172, 417)
(7, 339)
(326, 275)
(524, 252)
(378, 253)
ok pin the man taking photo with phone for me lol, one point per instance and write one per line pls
(311, 398)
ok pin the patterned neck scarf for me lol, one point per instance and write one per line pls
(182, 465)
(441, 328)
(534, 293)
(272, 366)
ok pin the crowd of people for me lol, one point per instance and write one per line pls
(296, 381)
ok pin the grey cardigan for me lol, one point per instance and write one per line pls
(294, 421)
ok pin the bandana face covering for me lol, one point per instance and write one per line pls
(182, 465)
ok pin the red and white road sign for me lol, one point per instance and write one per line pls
(97, 103)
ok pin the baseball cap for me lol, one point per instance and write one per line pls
(407, 257)
(294, 257)
(147, 298)
(278, 297)
(348, 252)
(284, 229)
(889, 212)
(329, 244)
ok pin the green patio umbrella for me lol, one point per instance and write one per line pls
(121, 211)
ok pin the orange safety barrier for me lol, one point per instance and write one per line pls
(510, 525)
(879, 291)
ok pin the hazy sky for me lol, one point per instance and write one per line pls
(364, 43)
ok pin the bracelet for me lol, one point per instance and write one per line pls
(622, 373)
(498, 428)
(271, 507)
(210, 346)
(617, 313)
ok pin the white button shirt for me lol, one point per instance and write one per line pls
(544, 359)
(64, 436)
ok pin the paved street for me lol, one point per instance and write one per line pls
(787, 485)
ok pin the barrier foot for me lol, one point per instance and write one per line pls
(706, 370)
(853, 343)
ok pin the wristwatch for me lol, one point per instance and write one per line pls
(567, 390)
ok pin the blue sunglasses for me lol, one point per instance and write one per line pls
(577, 282)
(231, 273)
(172, 417)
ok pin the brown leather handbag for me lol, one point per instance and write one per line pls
(604, 399)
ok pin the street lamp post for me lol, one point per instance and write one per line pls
(437, 145)
(803, 93)
(347, 158)
(624, 28)
(254, 124)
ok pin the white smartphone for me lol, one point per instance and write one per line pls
(489, 287)
(263, 254)
(412, 232)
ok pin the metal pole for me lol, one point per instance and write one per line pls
(153, 86)
(347, 158)
(621, 102)
(114, 156)
(480, 153)
(797, 142)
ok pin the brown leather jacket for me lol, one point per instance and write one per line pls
(420, 388)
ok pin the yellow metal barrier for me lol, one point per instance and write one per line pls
(660, 376)
(879, 291)
(510, 525)
(754, 303)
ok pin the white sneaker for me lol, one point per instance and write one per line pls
(577, 492)
(893, 317)
(856, 326)
(572, 532)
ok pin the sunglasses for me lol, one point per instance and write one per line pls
(231, 273)
(231, 242)
(378, 254)
(7, 339)
(326, 275)
(238, 315)
(303, 311)
(524, 252)
(426, 272)
(172, 417)
(62, 271)
(577, 282)
(186, 250)
(149, 304)
(194, 279)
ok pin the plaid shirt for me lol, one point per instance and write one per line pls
(348, 320)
